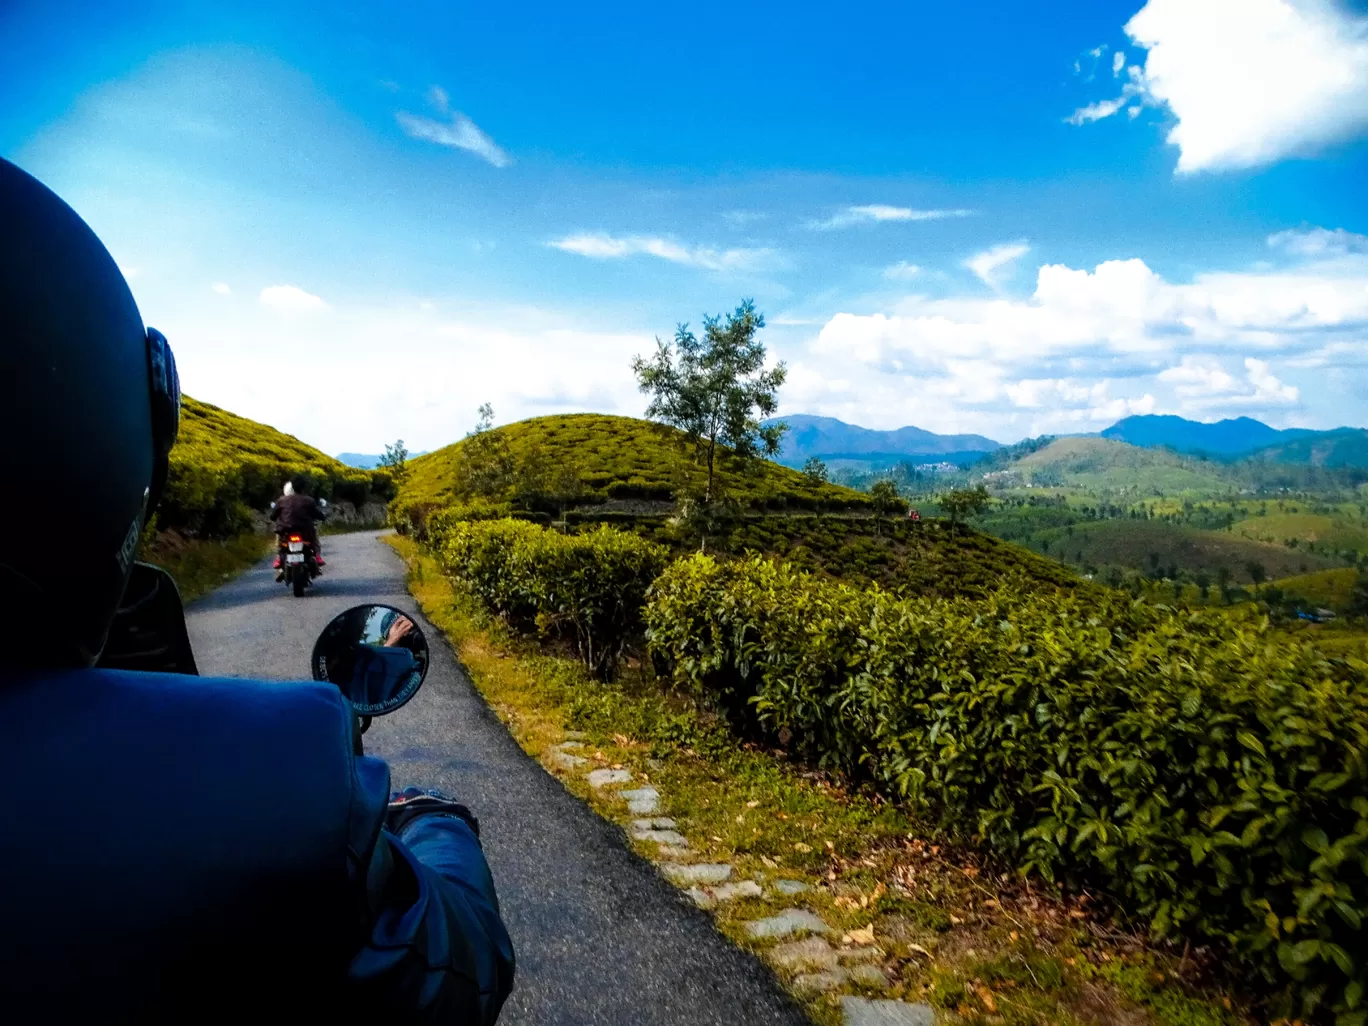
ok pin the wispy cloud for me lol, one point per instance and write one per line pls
(901, 271)
(221, 287)
(990, 264)
(453, 129)
(880, 212)
(1316, 242)
(601, 246)
(291, 299)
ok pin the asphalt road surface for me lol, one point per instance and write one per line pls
(600, 937)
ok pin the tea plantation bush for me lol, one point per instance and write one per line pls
(1210, 776)
(225, 467)
(589, 588)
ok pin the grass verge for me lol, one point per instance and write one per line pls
(200, 566)
(984, 947)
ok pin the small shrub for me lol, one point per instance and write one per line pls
(589, 588)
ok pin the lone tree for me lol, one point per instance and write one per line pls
(486, 465)
(716, 389)
(816, 471)
(395, 460)
(963, 502)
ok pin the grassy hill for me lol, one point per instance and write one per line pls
(1155, 547)
(627, 459)
(224, 467)
(1331, 533)
(1102, 465)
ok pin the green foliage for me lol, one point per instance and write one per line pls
(962, 503)
(716, 389)
(816, 471)
(884, 497)
(1207, 774)
(622, 459)
(224, 467)
(395, 460)
(486, 465)
(589, 588)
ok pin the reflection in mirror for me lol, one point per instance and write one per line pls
(375, 655)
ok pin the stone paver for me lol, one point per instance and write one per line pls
(698, 873)
(659, 823)
(819, 983)
(739, 889)
(808, 953)
(566, 761)
(604, 777)
(790, 887)
(866, 976)
(857, 1011)
(642, 801)
(673, 838)
(786, 924)
(672, 851)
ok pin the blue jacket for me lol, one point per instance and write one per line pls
(181, 849)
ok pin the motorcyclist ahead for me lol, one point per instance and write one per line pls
(297, 512)
(181, 848)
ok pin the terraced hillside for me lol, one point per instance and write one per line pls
(224, 467)
(627, 459)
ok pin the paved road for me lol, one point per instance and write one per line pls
(601, 939)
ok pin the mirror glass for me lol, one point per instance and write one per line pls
(375, 655)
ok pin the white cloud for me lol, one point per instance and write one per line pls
(1118, 62)
(901, 271)
(1319, 242)
(454, 129)
(291, 299)
(988, 264)
(881, 212)
(221, 287)
(600, 246)
(1249, 82)
(1091, 346)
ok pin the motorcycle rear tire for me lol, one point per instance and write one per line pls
(299, 581)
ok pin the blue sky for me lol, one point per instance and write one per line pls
(1000, 217)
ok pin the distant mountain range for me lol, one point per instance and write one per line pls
(840, 444)
(365, 462)
(835, 441)
(1231, 437)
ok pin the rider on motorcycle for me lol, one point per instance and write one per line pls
(296, 512)
(183, 848)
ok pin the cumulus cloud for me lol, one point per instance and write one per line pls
(1249, 82)
(453, 129)
(291, 299)
(1090, 346)
(881, 212)
(990, 265)
(601, 246)
(221, 287)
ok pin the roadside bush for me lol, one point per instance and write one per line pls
(588, 588)
(1208, 775)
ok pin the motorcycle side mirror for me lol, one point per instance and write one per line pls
(375, 655)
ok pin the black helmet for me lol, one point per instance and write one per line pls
(90, 410)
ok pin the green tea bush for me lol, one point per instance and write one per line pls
(1206, 773)
(589, 588)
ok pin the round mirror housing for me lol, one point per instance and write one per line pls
(375, 655)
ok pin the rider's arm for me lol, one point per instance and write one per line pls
(275, 511)
(317, 512)
(437, 950)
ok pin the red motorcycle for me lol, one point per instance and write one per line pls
(298, 563)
